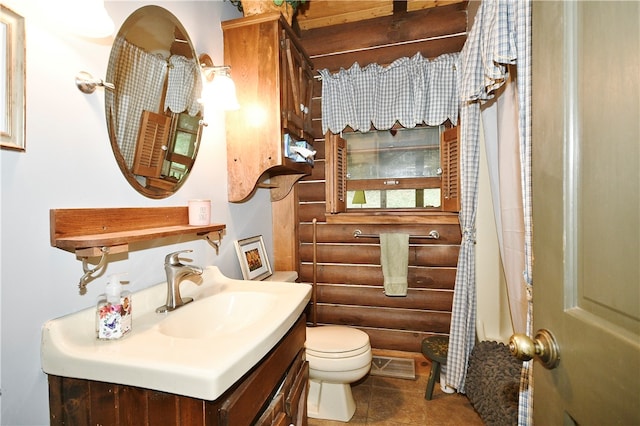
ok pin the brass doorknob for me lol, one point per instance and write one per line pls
(543, 347)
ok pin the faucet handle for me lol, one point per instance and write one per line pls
(174, 258)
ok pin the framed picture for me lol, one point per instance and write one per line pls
(253, 258)
(12, 76)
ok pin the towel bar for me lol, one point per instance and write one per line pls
(433, 235)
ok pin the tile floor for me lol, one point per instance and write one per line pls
(384, 401)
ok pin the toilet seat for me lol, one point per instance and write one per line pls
(336, 342)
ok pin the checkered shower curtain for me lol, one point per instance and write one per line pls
(415, 90)
(501, 35)
(139, 77)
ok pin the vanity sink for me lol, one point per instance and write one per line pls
(220, 315)
(198, 350)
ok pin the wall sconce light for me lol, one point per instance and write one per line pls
(87, 84)
(219, 90)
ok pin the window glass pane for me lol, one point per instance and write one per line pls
(363, 199)
(400, 153)
(431, 197)
(394, 199)
(400, 198)
(177, 170)
(185, 143)
(188, 122)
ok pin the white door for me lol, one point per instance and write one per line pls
(586, 208)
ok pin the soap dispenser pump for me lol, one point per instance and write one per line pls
(113, 313)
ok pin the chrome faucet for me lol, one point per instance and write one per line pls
(176, 272)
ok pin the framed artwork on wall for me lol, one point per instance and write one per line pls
(12, 80)
(253, 258)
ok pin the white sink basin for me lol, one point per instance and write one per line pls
(220, 315)
(198, 350)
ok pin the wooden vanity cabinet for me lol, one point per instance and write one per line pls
(274, 80)
(274, 392)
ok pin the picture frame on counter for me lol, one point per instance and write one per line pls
(253, 258)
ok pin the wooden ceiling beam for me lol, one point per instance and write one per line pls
(323, 13)
(433, 26)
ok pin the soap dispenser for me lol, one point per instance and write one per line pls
(113, 313)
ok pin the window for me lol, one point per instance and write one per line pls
(413, 169)
(183, 148)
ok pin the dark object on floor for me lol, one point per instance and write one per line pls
(435, 348)
(493, 382)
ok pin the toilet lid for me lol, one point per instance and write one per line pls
(336, 341)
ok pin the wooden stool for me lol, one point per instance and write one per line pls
(435, 348)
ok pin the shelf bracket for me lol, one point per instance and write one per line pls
(215, 243)
(91, 273)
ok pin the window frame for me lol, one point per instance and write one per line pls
(337, 184)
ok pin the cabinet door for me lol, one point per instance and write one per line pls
(274, 414)
(244, 404)
(296, 402)
(289, 406)
(297, 88)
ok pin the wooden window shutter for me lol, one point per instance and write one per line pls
(335, 173)
(450, 161)
(152, 144)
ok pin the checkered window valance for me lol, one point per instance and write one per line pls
(409, 91)
(184, 86)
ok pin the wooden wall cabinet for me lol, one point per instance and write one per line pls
(274, 392)
(274, 81)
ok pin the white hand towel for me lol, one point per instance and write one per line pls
(394, 258)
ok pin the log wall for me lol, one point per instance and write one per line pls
(349, 288)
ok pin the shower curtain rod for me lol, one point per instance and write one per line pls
(433, 235)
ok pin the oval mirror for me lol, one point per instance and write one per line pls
(153, 115)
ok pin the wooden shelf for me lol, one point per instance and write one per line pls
(86, 231)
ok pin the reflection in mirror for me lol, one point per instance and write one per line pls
(154, 115)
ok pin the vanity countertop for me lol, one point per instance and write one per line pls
(198, 350)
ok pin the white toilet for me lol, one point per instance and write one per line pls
(338, 356)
